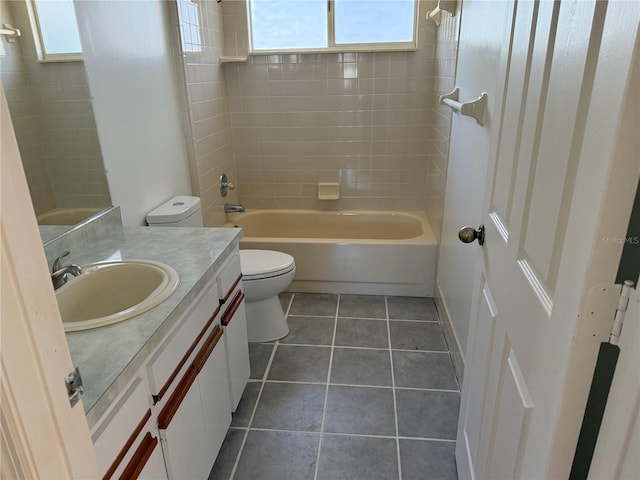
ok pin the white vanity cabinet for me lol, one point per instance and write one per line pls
(127, 439)
(171, 420)
(234, 322)
(196, 416)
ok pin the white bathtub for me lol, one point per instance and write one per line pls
(360, 252)
(66, 216)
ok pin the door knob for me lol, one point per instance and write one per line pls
(469, 234)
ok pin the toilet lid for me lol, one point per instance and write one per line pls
(257, 263)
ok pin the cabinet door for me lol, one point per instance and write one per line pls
(147, 462)
(236, 345)
(182, 430)
(154, 469)
(214, 395)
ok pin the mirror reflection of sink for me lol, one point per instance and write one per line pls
(110, 292)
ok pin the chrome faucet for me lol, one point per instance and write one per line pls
(233, 207)
(59, 272)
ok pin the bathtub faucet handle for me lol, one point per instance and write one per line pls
(225, 185)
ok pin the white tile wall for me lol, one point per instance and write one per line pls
(209, 118)
(51, 109)
(365, 120)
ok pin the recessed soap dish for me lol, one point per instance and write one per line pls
(328, 191)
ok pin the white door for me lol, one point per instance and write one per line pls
(616, 454)
(42, 436)
(543, 191)
(478, 72)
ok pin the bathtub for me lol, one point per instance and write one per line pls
(66, 216)
(359, 252)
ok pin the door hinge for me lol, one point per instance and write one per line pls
(75, 390)
(621, 310)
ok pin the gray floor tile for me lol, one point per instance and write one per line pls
(310, 330)
(412, 308)
(427, 414)
(290, 406)
(243, 413)
(322, 304)
(417, 336)
(355, 332)
(361, 367)
(278, 456)
(425, 460)
(259, 354)
(227, 455)
(357, 458)
(360, 410)
(300, 364)
(424, 370)
(285, 299)
(362, 306)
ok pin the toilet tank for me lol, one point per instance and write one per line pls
(180, 211)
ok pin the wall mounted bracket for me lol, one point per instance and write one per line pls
(473, 109)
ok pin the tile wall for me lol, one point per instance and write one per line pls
(53, 118)
(210, 129)
(445, 72)
(365, 120)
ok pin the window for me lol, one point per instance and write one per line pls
(55, 30)
(332, 25)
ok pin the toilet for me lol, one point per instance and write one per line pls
(265, 273)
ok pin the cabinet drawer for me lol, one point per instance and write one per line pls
(172, 356)
(120, 431)
(229, 276)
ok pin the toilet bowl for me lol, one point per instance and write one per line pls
(265, 273)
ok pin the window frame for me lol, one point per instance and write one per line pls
(41, 51)
(411, 46)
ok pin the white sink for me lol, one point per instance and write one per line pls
(110, 292)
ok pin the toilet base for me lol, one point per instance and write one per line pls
(265, 320)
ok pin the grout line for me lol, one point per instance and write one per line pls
(253, 413)
(326, 392)
(341, 434)
(357, 385)
(393, 384)
(286, 313)
(407, 320)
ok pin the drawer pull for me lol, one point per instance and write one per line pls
(170, 409)
(157, 397)
(207, 348)
(127, 446)
(139, 459)
(233, 287)
(227, 316)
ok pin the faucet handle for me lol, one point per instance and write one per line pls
(57, 263)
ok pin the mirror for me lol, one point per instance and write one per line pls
(52, 116)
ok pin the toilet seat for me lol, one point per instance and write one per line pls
(261, 264)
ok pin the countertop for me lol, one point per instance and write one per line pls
(108, 357)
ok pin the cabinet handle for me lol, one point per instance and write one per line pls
(127, 446)
(139, 459)
(207, 348)
(230, 291)
(174, 374)
(227, 316)
(169, 410)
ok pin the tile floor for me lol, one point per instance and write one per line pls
(363, 387)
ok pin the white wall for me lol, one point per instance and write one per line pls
(132, 74)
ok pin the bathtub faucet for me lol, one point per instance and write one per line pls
(233, 208)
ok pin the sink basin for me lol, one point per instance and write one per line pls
(110, 292)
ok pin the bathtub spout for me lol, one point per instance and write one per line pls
(233, 208)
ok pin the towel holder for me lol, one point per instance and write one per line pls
(10, 32)
(473, 109)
